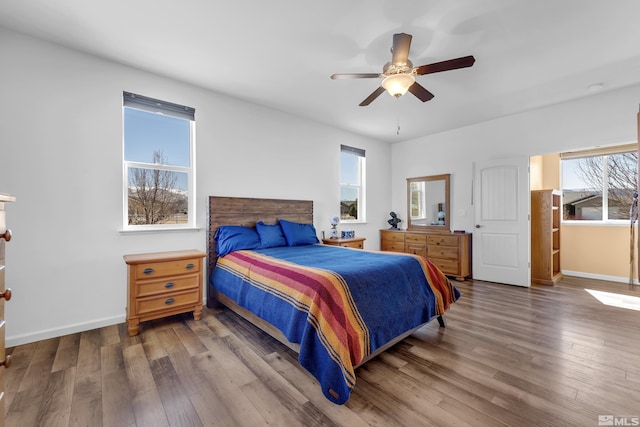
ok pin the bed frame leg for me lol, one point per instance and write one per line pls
(441, 321)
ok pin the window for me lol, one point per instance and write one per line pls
(352, 184)
(417, 190)
(158, 164)
(599, 185)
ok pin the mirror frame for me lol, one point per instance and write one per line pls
(447, 223)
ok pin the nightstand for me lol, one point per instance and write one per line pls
(162, 284)
(356, 242)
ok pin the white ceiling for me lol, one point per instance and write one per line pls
(280, 53)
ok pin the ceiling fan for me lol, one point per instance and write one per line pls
(399, 74)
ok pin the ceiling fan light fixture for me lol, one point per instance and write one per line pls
(398, 84)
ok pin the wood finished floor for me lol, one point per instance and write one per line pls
(509, 356)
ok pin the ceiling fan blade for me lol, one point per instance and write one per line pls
(451, 64)
(420, 92)
(376, 93)
(400, 49)
(355, 76)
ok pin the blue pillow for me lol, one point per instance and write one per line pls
(231, 238)
(298, 234)
(270, 235)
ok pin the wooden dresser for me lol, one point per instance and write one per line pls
(162, 284)
(451, 252)
(356, 242)
(5, 295)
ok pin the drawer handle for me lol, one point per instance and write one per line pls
(190, 266)
(169, 301)
(148, 270)
(6, 362)
(169, 285)
(6, 235)
(6, 294)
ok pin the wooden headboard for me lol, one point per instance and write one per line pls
(247, 211)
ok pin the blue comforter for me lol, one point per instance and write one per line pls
(339, 304)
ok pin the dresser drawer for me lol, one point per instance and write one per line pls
(449, 252)
(392, 246)
(392, 236)
(166, 302)
(173, 284)
(416, 248)
(442, 240)
(415, 237)
(448, 266)
(167, 268)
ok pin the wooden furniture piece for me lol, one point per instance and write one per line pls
(545, 237)
(246, 212)
(162, 284)
(428, 203)
(356, 242)
(5, 294)
(450, 252)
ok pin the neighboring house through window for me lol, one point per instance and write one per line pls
(352, 184)
(598, 185)
(159, 178)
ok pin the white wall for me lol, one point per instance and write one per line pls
(598, 120)
(61, 150)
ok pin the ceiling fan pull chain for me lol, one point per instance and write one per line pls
(398, 114)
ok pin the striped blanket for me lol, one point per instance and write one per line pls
(339, 304)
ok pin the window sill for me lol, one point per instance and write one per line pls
(592, 223)
(158, 230)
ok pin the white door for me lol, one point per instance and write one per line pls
(501, 234)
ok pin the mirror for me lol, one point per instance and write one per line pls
(428, 203)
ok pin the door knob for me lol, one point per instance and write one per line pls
(6, 235)
(478, 226)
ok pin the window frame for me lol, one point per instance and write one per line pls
(421, 201)
(360, 188)
(603, 153)
(172, 110)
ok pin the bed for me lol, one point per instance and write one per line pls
(336, 307)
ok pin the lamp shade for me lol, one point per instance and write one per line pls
(398, 84)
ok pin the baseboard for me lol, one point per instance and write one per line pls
(12, 341)
(599, 276)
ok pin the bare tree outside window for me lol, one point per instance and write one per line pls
(614, 175)
(155, 196)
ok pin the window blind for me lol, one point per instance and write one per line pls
(152, 105)
(600, 151)
(352, 150)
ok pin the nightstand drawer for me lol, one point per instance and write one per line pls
(173, 284)
(356, 245)
(442, 240)
(170, 268)
(166, 302)
(449, 252)
(354, 242)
